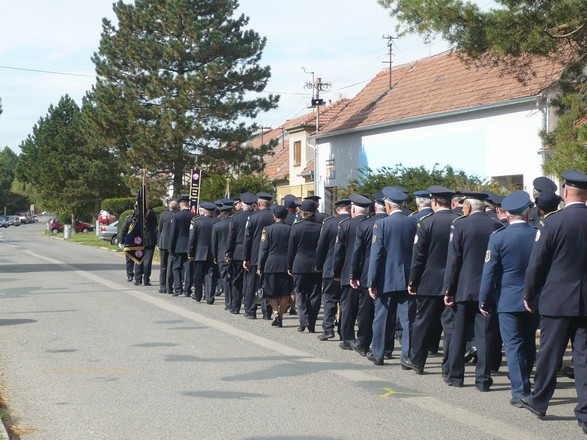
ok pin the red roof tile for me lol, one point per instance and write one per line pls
(277, 167)
(438, 84)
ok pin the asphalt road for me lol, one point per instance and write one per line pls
(87, 355)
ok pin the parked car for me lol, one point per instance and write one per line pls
(14, 220)
(109, 233)
(25, 218)
(3, 222)
(54, 225)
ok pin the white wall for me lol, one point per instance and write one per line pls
(488, 143)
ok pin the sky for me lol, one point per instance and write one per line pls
(339, 40)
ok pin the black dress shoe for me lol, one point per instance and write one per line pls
(388, 355)
(147, 283)
(301, 328)
(583, 426)
(249, 316)
(130, 279)
(176, 294)
(451, 383)
(137, 283)
(311, 329)
(483, 389)
(293, 313)
(375, 360)
(280, 322)
(470, 354)
(325, 336)
(234, 312)
(162, 291)
(275, 321)
(568, 371)
(407, 364)
(526, 404)
(355, 345)
(345, 345)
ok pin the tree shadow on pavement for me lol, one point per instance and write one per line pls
(4, 322)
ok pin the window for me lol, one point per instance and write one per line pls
(297, 159)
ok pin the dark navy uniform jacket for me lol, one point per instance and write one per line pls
(320, 217)
(302, 246)
(466, 253)
(150, 229)
(506, 260)
(253, 229)
(391, 252)
(362, 249)
(343, 248)
(326, 242)
(419, 215)
(220, 239)
(430, 253)
(201, 239)
(236, 235)
(180, 231)
(273, 250)
(291, 217)
(558, 263)
(163, 239)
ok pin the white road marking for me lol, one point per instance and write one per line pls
(478, 422)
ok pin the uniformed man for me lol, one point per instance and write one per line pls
(272, 264)
(323, 264)
(462, 278)
(300, 262)
(558, 272)
(407, 211)
(491, 203)
(320, 217)
(253, 229)
(546, 202)
(219, 244)
(289, 202)
(423, 203)
(129, 262)
(359, 270)
(426, 280)
(234, 249)
(143, 271)
(391, 253)
(456, 204)
(164, 243)
(179, 231)
(200, 252)
(502, 291)
(343, 251)
(540, 184)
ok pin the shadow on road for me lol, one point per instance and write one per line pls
(4, 322)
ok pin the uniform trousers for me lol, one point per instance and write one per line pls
(467, 312)
(308, 298)
(224, 279)
(554, 336)
(165, 271)
(349, 306)
(236, 285)
(429, 310)
(130, 268)
(330, 300)
(205, 279)
(386, 306)
(143, 270)
(448, 324)
(252, 282)
(518, 330)
(181, 273)
(365, 320)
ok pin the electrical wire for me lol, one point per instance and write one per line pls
(47, 71)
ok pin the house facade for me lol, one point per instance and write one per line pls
(441, 111)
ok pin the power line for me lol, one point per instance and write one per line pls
(46, 71)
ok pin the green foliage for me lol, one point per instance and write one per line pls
(158, 210)
(13, 202)
(214, 185)
(118, 205)
(60, 159)
(122, 218)
(176, 80)
(418, 178)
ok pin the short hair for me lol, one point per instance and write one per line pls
(476, 205)
(173, 205)
(423, 201)
(264, 203)
(394, 205)
(361, 210)
(442, 201)
(307, 215)
(523, 213)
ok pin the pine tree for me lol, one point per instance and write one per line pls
(176, 81)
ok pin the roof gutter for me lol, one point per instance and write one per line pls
(425, 118)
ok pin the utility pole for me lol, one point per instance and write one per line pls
(317, 87)
(389, 39)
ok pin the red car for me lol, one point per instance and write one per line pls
(55, 226)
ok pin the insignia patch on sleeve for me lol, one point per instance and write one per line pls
(537, 235)
(374, 238)
(375, 226)
(488, 256)
(416, 239)
(263, 235)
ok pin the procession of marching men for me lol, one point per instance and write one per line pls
(478, 270)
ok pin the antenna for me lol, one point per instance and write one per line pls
(389, 39)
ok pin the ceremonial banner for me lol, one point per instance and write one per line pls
(195, 190)
(134, 246)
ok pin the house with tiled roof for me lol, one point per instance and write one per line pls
(290, 166)
(442, 111)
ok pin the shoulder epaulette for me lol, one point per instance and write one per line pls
(503, 228)
(426, 216)
(344, 220)
(553, 212)
(459, 218)
(327, 218)
(412, 214)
